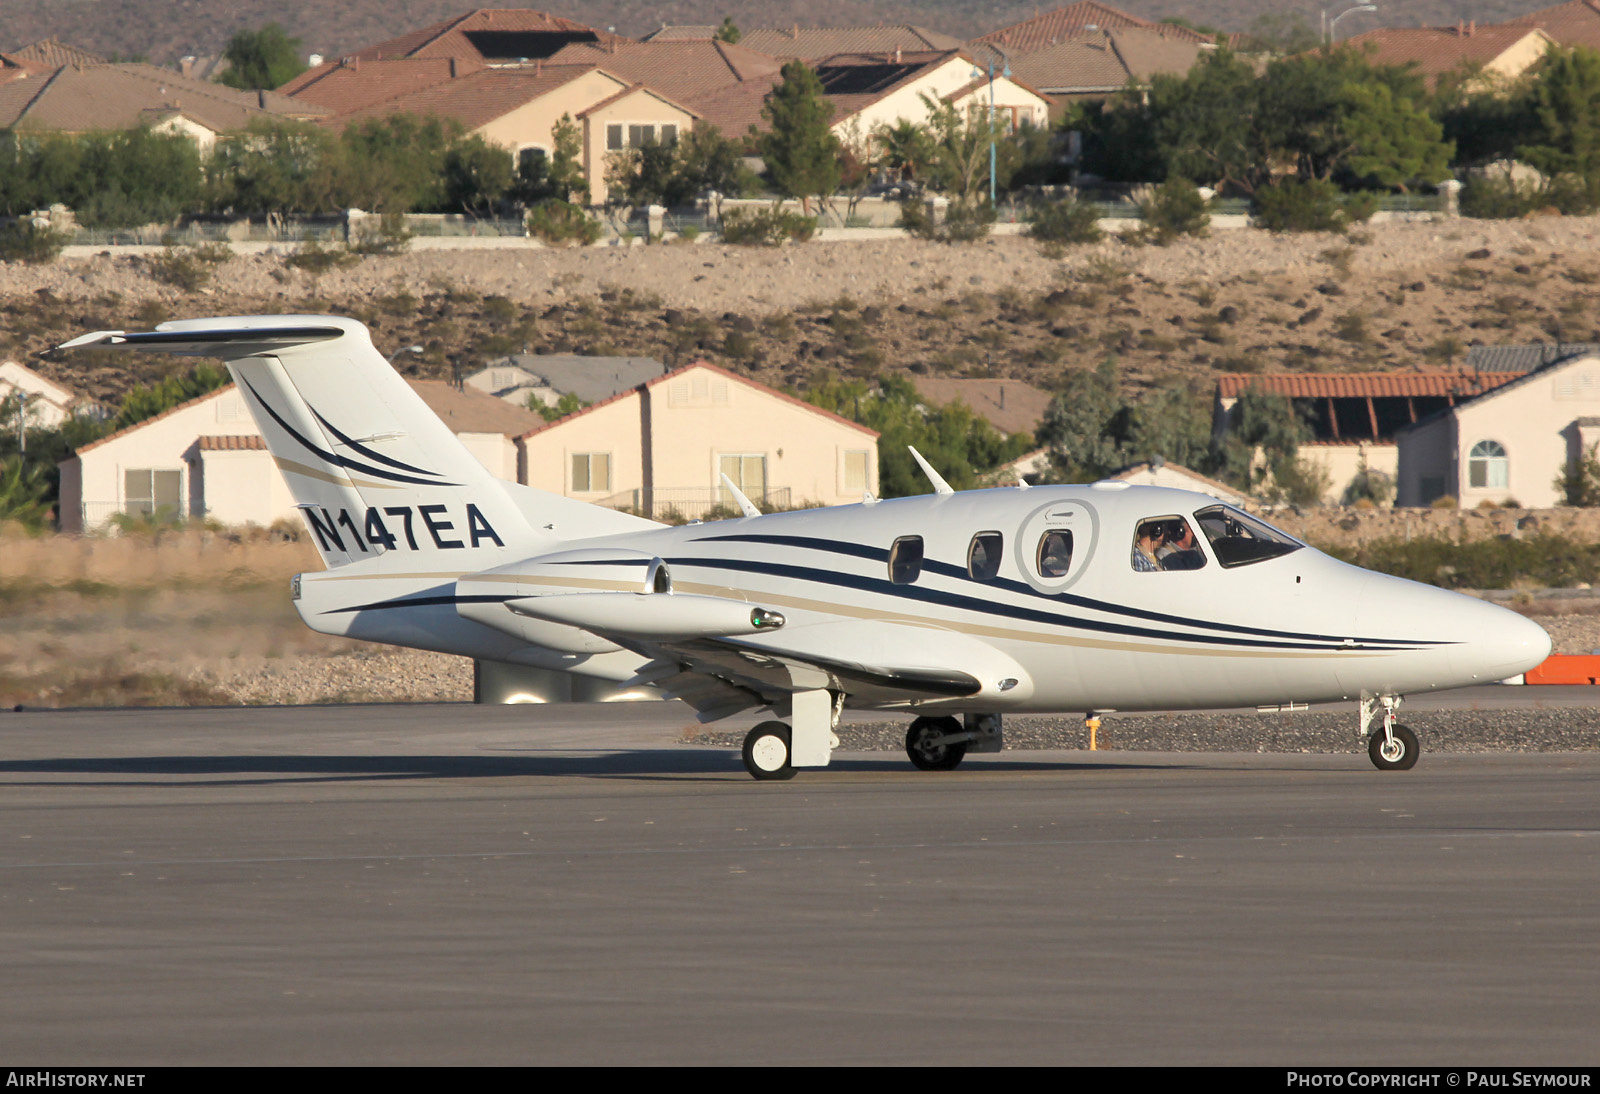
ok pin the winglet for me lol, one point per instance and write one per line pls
(939, 485)
(1022, 481)
(745, 504)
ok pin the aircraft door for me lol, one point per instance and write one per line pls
(1054, 544)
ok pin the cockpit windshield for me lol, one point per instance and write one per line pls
(1238, 539)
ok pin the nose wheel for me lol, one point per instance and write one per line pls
(1396, 750)
(766, 752)
(1391, 746)
(930, 747)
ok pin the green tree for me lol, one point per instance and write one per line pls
(904, 148)
(275, 169)
(148, 400)
(727, 32)
(1086, 425)
(477, 175)
(952, 438)
(1565, 102)
(558, 176)
(709, 162)
(800, 150)
(261, 59)
(394, 164)
(1267, 423)
(25, 494)
(959, 150)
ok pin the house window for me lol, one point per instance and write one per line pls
(614, 138)
(749, 474)
(152, 493)
(855, 472)
(530, 162)
(1488, 467)
(591, 472)
(905, 560)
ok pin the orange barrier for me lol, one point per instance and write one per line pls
(1566, 669)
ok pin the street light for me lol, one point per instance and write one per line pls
(398, 352)
(977, 73)
(1328, 29)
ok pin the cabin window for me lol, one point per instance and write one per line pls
(983, 556)
(591, 472)
(1488, 467)
(1238, 539)
(1165, 543)
(905, 560)
(152, 493)
(1054, 557)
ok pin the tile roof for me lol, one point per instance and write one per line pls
(682, 69)
(905, 69)
(633, 89)
(474, 411)
(589, 378)
(53, 54)
(1573, 24)
(664, 377)
(1011, 406)
(1437, 50)
(1106, 59)
(475, 35)
(815, 43)
(1360, 385)
(107, 96)
(475, 99)
(252, 443)
(344, 86)
(680, 33)
(1521, 359)
(1059, 25)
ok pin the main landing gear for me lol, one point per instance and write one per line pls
(766, 751)
(937, 744)
(1391, 747)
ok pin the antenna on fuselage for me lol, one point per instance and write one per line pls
(1022, 481)
(745, 504)
(939, 485)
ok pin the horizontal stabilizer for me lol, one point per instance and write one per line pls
(229, 343)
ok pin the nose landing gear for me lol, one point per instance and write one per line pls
(1392, 746)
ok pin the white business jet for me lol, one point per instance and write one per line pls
(956, 608)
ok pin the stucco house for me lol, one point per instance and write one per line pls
(664, 445)
(1507, 444)
(206, 459)
(47, 404)
(1354, 417)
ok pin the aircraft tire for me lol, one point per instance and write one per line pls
(766, 752)
(1401, 757)
(928, 757)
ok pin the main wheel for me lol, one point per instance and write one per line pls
(928, 755)
(766, 751)
(1399, 754)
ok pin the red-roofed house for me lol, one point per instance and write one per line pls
(1355, 416)
(490, 36)
(665, 444)
(1500, 53)
(1054, 27)
(1576, 23)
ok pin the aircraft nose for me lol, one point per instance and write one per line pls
(1495, 643)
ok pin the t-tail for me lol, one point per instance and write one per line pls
(398, 508)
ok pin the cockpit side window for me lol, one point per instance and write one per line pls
(1238, 539)
(905, 560)
(1054, 557)
(983, 556)
(1165, 543)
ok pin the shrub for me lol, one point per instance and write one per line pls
(562, 223)
(1065, 221)
(188, 268)
(1173, 209)
(314, 258)
(23, 241)
(1369, 487)
(963, 223)
(1504, 198)
(766, 227)
(389, 236)
(1552, 561)
(1312, 205)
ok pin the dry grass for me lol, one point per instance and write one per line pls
(113, 565)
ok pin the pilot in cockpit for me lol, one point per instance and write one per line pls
(1179, 551)
(1147, 540)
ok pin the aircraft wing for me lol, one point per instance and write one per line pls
(874, 662)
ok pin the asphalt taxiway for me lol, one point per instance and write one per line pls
(570, 884)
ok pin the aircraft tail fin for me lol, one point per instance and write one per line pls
(373, 470)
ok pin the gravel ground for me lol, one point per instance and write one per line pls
(1565, 730)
